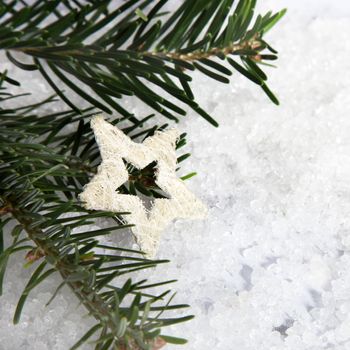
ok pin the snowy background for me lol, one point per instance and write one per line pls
(270, 267)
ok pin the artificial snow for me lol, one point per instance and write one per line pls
(270, 267)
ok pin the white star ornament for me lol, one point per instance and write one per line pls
(101, 192)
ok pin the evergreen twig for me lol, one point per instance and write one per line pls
(139, 47)
(102, 54)
(34, 179)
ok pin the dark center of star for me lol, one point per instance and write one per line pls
(142, 183)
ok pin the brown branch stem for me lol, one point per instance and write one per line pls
(251, 44)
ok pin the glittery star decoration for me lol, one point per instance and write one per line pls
(101, 193)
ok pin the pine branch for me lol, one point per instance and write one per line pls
(139, 50)
(103, 54)
(81, 281)
(34, 179)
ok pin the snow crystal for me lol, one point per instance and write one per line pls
(270, 267)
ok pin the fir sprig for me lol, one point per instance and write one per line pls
(38, 185)
(103, 53)
(128, 50)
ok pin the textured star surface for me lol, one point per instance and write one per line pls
(101, 192)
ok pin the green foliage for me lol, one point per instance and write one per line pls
(125, 51)
(103, 54)
(39, 182)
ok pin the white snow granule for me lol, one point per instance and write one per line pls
(270, 267)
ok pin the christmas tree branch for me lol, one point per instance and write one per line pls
(102, 54)
(139, 51)
(96, 306)
(34, 179)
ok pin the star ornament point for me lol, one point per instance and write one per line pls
(101, 193)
